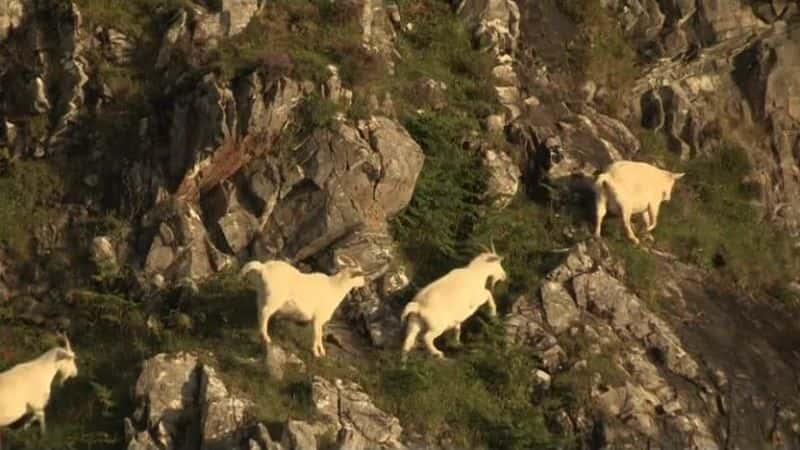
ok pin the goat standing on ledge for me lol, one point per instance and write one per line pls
(632, 187)
(301, 296)
(25, 388)
(450, 300)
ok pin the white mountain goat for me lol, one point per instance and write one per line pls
(631, 187)
(303, 297)
(25, 388)
(450, 300)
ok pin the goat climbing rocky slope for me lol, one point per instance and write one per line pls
(148, 148)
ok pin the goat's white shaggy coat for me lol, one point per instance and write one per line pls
(25, 388)
(303, 297)
(447, 302)
(632, 187)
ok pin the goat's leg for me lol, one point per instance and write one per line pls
(412, 330)
(40, 417)
(646, 218)
(36, 415)
(600, 212)
(492, 305)
(264, 314)
(457, 334)
(32, 418)
(318, 349)
(653, 210)
(428, 338)
(626, 219)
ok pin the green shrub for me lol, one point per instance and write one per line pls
(446, 198)
(317, 112)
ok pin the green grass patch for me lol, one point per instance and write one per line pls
(132, 17)
(440, 47)
(713, 221)
(717, 223)
(313, 34)
(111, 338)
(481, 399)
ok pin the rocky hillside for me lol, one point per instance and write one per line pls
(149, 148)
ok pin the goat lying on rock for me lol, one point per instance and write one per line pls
(25, 388)
(301, 296)
(450, 300)
(632, 187)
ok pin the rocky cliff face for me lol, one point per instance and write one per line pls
(189, 137)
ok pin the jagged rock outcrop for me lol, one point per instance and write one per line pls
(197, 28)
(359, 423)
(378, 33)
(649, 378)
(503, 176)
(183, 404)
(181, 247)
(583, 297)
(730, 92)
(45, 48)
(340, 180)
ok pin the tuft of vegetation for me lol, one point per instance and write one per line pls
(28, 191)
(318, 112)
(130, 17)
(601, 52)
(312, 34)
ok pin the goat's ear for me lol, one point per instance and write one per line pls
(678, 176)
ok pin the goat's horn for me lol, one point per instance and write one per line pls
(492, 243)
(67, 344)
(348, 261)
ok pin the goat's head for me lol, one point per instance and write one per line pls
(351, 270)
(493, 264)
(673, 177)
(65, 359)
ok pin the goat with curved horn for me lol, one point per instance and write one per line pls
(63, 336)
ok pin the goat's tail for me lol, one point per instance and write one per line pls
(411, 308)
(252, 265)
(600, 182)
(602, 185)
